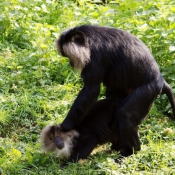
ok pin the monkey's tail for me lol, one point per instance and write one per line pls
(168, 91)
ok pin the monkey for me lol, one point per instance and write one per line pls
(55, 141)
(95, 129)
(123, 63)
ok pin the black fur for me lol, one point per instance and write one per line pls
(125, 66)
(95, 129)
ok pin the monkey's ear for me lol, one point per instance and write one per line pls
(78, 38)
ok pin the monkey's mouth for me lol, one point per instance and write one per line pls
(60, 146)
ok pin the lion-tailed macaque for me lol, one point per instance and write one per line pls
(58, 142)
(95, 129)
(121, 62)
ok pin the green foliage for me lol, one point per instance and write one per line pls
(37, 86)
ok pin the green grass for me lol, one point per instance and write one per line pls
(37, 86)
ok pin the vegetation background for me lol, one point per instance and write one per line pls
(37, 86)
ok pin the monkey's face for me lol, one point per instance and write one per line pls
(56, 136)
(74, 45)
(53, 139)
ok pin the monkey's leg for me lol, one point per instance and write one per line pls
(117, 142)
(82, 150)
(132, 112)
(116, 145)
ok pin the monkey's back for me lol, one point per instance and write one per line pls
(98, 121)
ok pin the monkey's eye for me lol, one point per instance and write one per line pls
(51, 138)
(77, 38)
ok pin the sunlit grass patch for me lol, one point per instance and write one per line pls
(38, 86)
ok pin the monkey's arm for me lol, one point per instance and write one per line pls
(86, 98)
(84, 101)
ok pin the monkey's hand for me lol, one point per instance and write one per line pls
(64, 165)
(67, 125)
(69, 122)
(73, 118)
(67, 162)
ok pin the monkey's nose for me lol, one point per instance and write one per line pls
(59, 142)
(59, 145)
